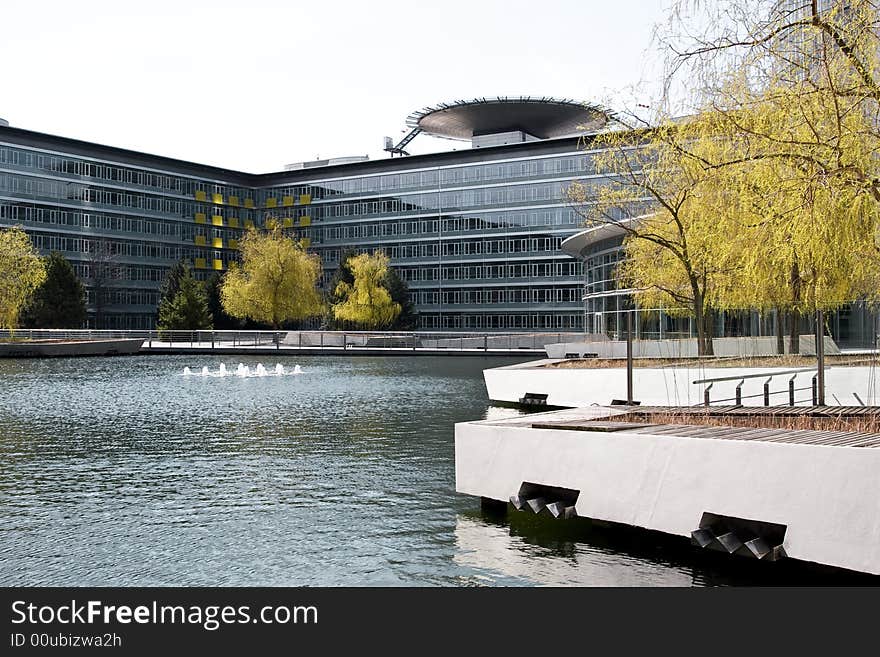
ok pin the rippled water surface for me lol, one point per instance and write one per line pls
(121, 471)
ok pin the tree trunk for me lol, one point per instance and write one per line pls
(794, 344)
(708, 333)
(780, 331)
(704, 348)
(703, 320)
(794, 337)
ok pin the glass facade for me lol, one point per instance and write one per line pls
(853, 326)
(474, 233)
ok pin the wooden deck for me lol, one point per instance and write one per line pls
(763, 411)
(633, 421)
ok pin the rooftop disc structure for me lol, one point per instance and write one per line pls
(504, 120)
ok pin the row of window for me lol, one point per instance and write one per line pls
(122, 297)
(578, 165)
(472, 247)
(138, 226)
(493, 222)
(497, 322)
(125, 272)
(552, 269)
(78, 193)
(554, 295)
(123, 322)
(91, 248)
(79, 168)
(17, 213)
(451, 201)
(58, 165)
(428, 321)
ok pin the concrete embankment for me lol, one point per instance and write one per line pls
(683, 385)
(764, 494)
(69, 348)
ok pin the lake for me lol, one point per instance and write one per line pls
(125, 472)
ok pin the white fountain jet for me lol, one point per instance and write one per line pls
(297, 369)
(279, 369)
(261, 371)
(205, 371)
(187, 371)
(222, 370)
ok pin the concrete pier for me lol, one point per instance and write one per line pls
(760, 493)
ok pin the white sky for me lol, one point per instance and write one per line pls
(253, 85)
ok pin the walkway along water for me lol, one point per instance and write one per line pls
(351, 343)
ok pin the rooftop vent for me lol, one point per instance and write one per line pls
(333, 161)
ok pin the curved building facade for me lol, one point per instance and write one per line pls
(475, 233)
(484, 237)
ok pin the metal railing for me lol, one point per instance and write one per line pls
(312, 340)
(765, 393)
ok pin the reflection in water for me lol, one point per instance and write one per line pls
(121, 471)
(494, 547)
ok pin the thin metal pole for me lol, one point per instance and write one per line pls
(629, 358)
(820, 355)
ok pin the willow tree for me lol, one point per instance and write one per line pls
(366, 301)
(22, 271)
(657, 191)
(806, 244)
(276, 282)
(792, 92)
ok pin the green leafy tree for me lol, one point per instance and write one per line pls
(396, 286)
(664, 201)
(407, 320)
(171, 283)
(222, 319)
(366, 302)
(789, 94)
(343, 274)
(22, 271)
(276, 282)
(188, 309)
(60, 302)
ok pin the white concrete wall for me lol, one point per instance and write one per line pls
(673, 385)
(740, 347)
(828, 497)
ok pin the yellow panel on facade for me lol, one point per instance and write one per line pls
(271, 202)
(287, 200)
(200, 263)
(201, 218)
(233, 222)
(288, 222)
(200, 240)
(249, 203)
(305, 220)
(217, 220)
(201, 195)
(233, 200)
(217, 198)
(217, 242)
(248, 223)
(218, 264)
(233, 244)
(305, 199)
(306, 242)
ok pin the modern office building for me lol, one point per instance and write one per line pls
(475, 232)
